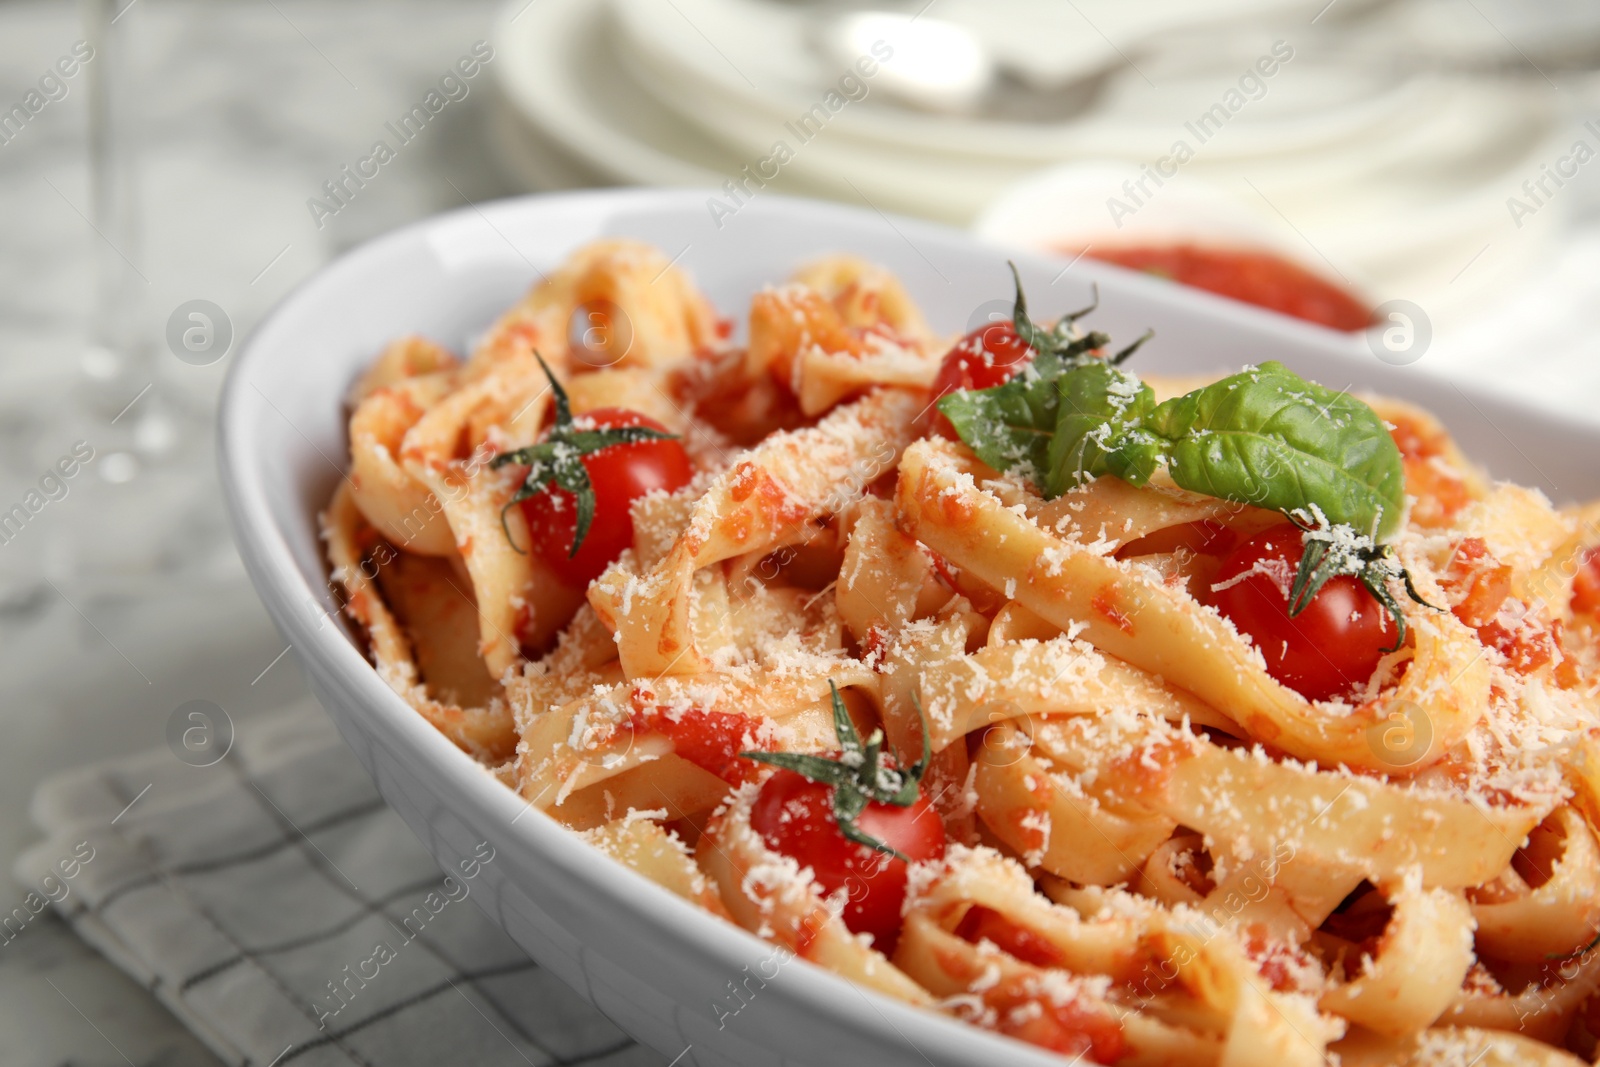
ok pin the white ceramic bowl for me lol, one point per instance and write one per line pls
(656, 965)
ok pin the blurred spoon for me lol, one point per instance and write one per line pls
(937, 65)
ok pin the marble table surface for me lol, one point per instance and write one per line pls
(242, 112)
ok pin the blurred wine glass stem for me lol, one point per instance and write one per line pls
(119, 379)
(114, 343)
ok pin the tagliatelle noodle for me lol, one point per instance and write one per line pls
(487, 732)
(1418, 966)
(403, 509)
(1155, 852)
(592, 738)
(886, 579)
(762, 502)
(658, 855)
(842, 326)
(1549, 920)
(1543, 1009)
(1055, 824)
(1150, 624)
(1447, 1045)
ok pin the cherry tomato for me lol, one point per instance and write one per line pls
(794, 815)
(620, 475)
(988, 356)
(1586, 583)
(1328, 649)
(1203, 537)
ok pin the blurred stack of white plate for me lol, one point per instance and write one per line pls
(1362, 154)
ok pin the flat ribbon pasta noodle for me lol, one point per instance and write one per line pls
(1520, 528)
(1109, 513)
(1438, 476)
(1052, 822)
(1315, 886)
(664, 782)
(1417, 968)
(659, 520)
(1364, 824)
(1014, 622)
(840, 327)
(766, 498)
(520, 599)
(631, 388)
(1109, 944)
(1168, 873)
(1232, 1016)
(1165, 631)
(906, 661)
(1451, 1047)
(487, 732)
(431, 598)
(595, 737)
(1561, 914)
(659, 855)
(886, 578)
(395, 502)
(409, 357)
(1057, 1009)
(826, 378)
(1024, 678)
(1544, 1009)
(865, 295)
(1551, 583)
(641, 309)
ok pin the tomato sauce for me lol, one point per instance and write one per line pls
(1481, 585)
(1074, 1029)
(1477, 582)
(1260, 278)
(711, 740)
(986, 924)
(1440, 493)
(1586, 583)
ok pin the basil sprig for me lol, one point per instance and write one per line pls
(1264, 436)
(557, 460)
(1013, 426)
(858, 776)
(1063, 339)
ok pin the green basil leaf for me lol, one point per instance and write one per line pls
(1009, 427)
(1099, 429)
(1270, 438)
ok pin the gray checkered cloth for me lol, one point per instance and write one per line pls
(252, 897)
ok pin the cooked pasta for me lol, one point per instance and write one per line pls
(1151, 840)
